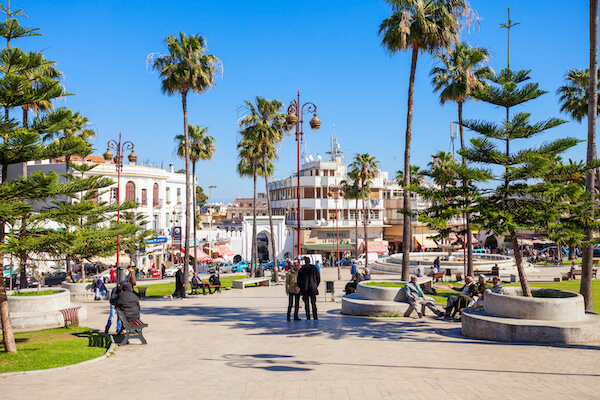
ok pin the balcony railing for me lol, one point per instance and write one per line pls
(157, 203)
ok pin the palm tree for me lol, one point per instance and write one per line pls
(267, 122)
(440, 169)
(574, 101)
(248, 160)
(201, 148)
(365, 168)
(352, 191)
(418, 26)
(417, 176)
(186, 67)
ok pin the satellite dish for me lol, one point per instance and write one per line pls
(306, 159)
(311, 158)
(319, 157)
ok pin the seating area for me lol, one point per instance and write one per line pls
(242, 283)
(131, 329)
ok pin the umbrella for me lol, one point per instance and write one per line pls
(219, 260)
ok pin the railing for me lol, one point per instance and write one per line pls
(157, 203)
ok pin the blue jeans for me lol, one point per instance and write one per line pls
(98, 294)
(113, 314)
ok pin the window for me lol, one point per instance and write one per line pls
(333, 235)
(155, 225)
(353, 214)
(155, 200)
(179, 195)
(113, 195)
(130, 191)
(144, 197)
(168, 194)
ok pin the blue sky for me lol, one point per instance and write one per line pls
(329, 50)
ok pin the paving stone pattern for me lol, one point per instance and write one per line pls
(238, 345)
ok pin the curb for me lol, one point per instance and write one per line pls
(108, 353)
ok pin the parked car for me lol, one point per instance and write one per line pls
(362, 258)
(55, 278)
(16, 281)
(281, 263)
(597, 250)
(173, 269)
(240, 267)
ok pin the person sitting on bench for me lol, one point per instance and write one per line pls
(457, 303)
(213, 281)
(418, 300)
(196, 282)
(128, 302)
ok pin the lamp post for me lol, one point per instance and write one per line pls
(210, 188)
(119, 147)
(335, 191)
(291, 206)
(296, 117)
(175, 219)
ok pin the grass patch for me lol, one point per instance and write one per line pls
(386, 284)
(52, 348)
(165, 289)
(40, 293)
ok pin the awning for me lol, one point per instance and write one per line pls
(426, 242)
(201, 254)
(328, 247)
(538, 241)
(455, 239)
(375, 247)
(224, 250)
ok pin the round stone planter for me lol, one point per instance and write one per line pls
(546, 304)
(551, 316)
(79, 291)
(40, 312)
(34, 304)
(380, 293)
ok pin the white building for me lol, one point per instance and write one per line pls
(159, 192)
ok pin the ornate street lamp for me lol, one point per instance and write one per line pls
(291, 207)
(295, 117)
(175, 220)
(335, 192)
(119, 147)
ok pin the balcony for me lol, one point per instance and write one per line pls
(157, 203)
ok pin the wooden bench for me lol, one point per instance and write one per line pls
(577, 272)
(71, 316)
(204, 284)
(491, 272)
(133, 329)
(438, 276)
(242, 283)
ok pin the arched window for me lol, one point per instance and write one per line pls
(130, 191)
(155, 200)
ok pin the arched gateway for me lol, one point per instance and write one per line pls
(263, 228)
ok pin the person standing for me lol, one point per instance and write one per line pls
(293, 291)
(353, 270)
(163, 269)
(179, 284)
(131, 276)
(308, 281)
(113, 274)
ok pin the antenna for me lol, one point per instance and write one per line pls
(334, 147)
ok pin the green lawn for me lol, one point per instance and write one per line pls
(165, 289)
(385, 284)
(444, 292)
(52, 348)
(41, 293)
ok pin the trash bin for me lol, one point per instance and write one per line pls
(329, 289)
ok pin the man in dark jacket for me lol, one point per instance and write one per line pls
(128, 302)
(179, 284)
(308, 281)
(113, 301)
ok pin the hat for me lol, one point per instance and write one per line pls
(123, 282)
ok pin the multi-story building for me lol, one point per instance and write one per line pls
(159, 192)
(243, 207)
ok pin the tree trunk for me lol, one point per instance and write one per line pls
(195, 227)
(254, 258)
(519, 262)
(188, 195)
(275, 274)
(469, 243)
(25, 116)
(365, 225)
(356, 226)
(8, 337)
(407, 229)
(588, 251)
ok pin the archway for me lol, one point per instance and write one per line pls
(263, 247)
(491, 242)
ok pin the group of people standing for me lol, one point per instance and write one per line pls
(302, 282)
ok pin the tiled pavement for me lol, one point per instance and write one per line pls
(237, 345)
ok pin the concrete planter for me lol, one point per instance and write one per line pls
(381, 293)
(372, 300)
(79, 291)
(29, 313)
(551, 316)
(546, 305)
(26, 304)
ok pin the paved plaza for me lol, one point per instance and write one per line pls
(238, 345)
